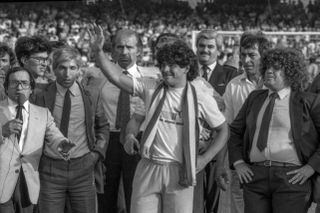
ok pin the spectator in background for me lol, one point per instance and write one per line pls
(7, 60)
(33, 54)
(313, 69)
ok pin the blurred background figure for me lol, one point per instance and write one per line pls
(7, 60)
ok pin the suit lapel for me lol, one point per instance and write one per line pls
(32, 126)
(50, 96)
(87, 106)
(214, 75)
(255, 108)
(295, 109)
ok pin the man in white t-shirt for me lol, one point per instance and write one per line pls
(176, 106)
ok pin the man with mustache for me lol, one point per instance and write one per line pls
(214, 176)
(79, 114)
(119, 107)
(7, 59)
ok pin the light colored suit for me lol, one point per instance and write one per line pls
(41, 128)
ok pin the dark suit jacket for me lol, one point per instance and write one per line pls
(315, 86)
(220, 77)
(305, 126)
(97, 126)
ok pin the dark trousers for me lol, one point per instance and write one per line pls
(270, 192)
(206, 192)
(20, 201)
(118, 163)
(74, 179)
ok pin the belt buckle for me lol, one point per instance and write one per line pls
(267, 163)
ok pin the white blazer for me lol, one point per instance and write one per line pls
(41, 128)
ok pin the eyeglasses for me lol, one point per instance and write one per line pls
(40, 60)
(15, 84)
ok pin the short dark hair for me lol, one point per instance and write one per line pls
(291, 61)
(181, 54)
(17, 69)
(5, 49)
(250, 39)
(26, 46)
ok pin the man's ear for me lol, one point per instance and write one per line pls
(24, 60)
(187, 69)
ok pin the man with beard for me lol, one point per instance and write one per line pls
(214, 176)
(119, 106)
(7, 59)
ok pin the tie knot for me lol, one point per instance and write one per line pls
(19, 107)
(274, 95)
(205, 68)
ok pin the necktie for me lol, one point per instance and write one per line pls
(123, 108)
(22, 193)
(65, 114)
(205, 69)
(20, 117)
(265, 123)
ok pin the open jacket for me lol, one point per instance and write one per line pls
(305, 126)
(97, 126)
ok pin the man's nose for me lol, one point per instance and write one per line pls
(125, 51)
(67, 73)
(165, 68)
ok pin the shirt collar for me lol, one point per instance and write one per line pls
(211, 66)
(12, 105)
(283, 92)
(74, 89)
(132, 69)
(244, 78)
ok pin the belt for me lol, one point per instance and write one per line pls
(269, 163)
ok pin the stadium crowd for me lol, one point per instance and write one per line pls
(67, 22)
(114, 107)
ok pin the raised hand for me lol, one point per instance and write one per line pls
(96, 37)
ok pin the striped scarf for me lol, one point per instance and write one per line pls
(190, 130)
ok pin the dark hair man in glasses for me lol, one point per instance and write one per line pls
(33, 54)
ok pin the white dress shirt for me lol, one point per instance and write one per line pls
(12, 106)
